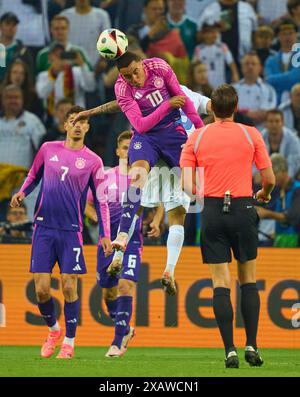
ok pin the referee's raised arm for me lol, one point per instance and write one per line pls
(226, 151)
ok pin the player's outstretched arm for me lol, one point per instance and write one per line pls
(145, 123)
(34, 176)
(131, 109)
(90, 212)
(97, 183)
(107, 108)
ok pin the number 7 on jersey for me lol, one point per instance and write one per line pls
(65, 171)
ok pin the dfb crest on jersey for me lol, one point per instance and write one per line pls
(80, 163)
(137, 145)
(158, 82)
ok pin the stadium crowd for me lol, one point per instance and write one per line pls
(49, 63)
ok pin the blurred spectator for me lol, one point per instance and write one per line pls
(17, 225)
(177, 18)
(19, 74)
(280, 139)
(198, 79)
(57, 132)
(21, 131)
(14, 48)
(157, 39)
(286, 210)
(111, 6)
(194, 8)
(125, 17)
(59, 28)
(269, 10)
(66, 78)
(238, 21)
(255, 95)
(294, 13)
(86, 24)
(284, 82)
(55, 7)
(291, 110)
(216, 56)
(282, 61)
(263, 38)
(33, 16)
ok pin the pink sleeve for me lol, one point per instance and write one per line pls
(132, 111)
(98, 189)
(188, 108)
(35, 173)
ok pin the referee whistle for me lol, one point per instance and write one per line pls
(226, 202)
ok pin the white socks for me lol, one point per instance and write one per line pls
(69, 341)
(174, 246)
(55, 327)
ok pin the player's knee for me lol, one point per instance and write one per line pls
(69, 291)
(125, 287)
(247, 279)
(221, 283)
(42, 294)
(176, 216)
(110, 294)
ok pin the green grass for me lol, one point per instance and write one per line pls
(173, 362)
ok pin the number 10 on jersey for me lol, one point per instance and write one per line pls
(155, 98)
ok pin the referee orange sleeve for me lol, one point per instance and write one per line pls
(188, 157)
(261, 157)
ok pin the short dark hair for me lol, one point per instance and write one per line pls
(146, 2)
(252, 53)
(124, 135)
(58, 17)
(286, 23)
(224, 100)
(64, 101)
(73, 110)
(125, 60)
(292, 4)
(275, 112)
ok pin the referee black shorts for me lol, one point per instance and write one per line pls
(236, 230)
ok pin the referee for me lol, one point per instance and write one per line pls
(226, 151)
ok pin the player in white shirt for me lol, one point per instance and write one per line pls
(256, 97)
(176, 202)
(86, 23)
(215, 55)
(264, 7)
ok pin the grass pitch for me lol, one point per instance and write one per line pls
(144, 362)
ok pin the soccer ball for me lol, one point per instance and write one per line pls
(112, 43)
